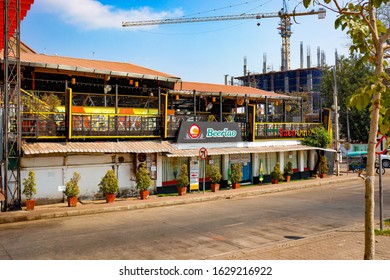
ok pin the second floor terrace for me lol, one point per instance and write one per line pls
(156, 113)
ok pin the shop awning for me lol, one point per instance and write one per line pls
(243, 150)
(24, 7)
(30, 149)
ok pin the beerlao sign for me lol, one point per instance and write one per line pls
(208, 132)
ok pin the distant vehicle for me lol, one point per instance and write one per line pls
(386, 160)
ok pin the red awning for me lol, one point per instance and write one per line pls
(12, 20)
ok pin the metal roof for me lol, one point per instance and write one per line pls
(184, 87)
(242, 150)
(97, 67)
(31, 149)
(44, 148)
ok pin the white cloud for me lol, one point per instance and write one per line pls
(91, 14)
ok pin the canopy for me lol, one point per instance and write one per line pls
(12, 23)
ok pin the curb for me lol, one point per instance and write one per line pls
(22, 216)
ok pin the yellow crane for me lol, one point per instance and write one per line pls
(284, 26)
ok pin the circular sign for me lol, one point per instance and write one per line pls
(203, 153)
(194, 131)
(347, 146)
(381, 145)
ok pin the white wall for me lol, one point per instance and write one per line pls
(52, 172)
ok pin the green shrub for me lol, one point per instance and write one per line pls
(276, 173)
(109, 183)
(142, 178)
(29, 185)
(72, 188)
(236, 173)
(215, 174)
(183, 178)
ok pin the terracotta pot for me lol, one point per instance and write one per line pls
(214, 187)
(30, 204)
(72, 201)
(322, 175)
(288, 178)
(182, 190)
(110, 197)
(235, 185)
(274, 181)
(144, 194)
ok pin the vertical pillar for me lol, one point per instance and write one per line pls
(311, 159)
(281, 160)
(255, 164)
(225, 166)
(159, 164)
(220, 107)
(301, 161)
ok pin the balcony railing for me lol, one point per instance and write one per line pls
(117, 125)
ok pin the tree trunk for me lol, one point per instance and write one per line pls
(369, 233)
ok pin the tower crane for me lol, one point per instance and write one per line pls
(284, 26)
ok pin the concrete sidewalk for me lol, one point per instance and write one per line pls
(347, 243)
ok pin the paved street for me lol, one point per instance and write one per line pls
(246, 224)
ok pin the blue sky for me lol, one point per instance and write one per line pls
(200, 52)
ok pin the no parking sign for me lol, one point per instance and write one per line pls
(381, 144)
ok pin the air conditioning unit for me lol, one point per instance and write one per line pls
(140, 158)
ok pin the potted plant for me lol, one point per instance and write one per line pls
(236, 175)
(323, 167)
(72, 189)
(143, 181)
(183, 180)
(109, 186)
(29, 190)
(215, 176)
(288, 172)
(276, 174)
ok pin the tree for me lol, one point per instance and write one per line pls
(319, 138)
(350, 77)
(370, 37)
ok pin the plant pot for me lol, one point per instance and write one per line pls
(110, 197)
(235, 185)
(322, 175)
(30, 204)
(274, 181)
(288, 178)
(214, 187)
(144, 194)
(72, 201)
(182, 190)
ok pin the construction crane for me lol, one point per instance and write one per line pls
(284, 26)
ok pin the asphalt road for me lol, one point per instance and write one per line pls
(190, 231)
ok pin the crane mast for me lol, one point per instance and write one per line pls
(284, 27)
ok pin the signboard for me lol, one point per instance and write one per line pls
(381, 144)
(209, 132)
(203, 153)
(235, 158)
(194, 174)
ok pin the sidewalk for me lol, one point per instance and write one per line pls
(347, 243)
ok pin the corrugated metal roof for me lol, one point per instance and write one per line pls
(96, 147)
(241, 150)
(120, 69)
(31, 149)
(189, 87)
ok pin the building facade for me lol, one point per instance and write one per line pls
(90, 116)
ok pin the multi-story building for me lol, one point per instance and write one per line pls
(90, 116)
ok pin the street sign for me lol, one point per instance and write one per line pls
(203, 153)
(381, 144)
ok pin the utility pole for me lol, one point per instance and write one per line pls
(336, 123)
